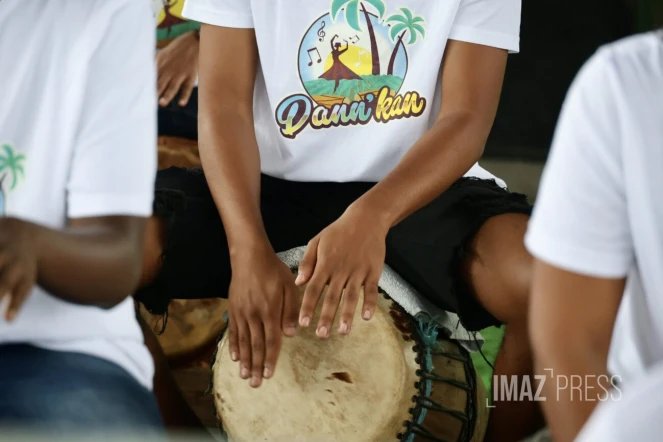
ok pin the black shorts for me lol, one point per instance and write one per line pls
(425, 249)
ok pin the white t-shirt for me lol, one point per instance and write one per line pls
(599, 210)
(347, 87)
(633, 416)
(78, 117)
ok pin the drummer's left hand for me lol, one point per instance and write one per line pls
(346, 255)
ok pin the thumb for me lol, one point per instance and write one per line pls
(307, 265)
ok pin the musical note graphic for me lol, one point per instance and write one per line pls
(317, 52)
(356, 37)
(321, 32)
(359, 55)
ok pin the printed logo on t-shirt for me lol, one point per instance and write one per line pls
(170, 21)
(11, 170)
(353, 61)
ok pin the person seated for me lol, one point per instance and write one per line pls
(178, 42)
(77, 169)
(597, 234)
(376, 165)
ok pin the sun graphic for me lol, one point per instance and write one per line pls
(176, 9)
(356, 58)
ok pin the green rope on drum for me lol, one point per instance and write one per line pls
(428, 347)
(427, 331)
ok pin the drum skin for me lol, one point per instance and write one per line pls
(360, 387)
(178, 152)
(193, 325)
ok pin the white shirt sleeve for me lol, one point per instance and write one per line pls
(493, 23)
(580, 220)
(226, 13)
(631, 415)
(115, 153)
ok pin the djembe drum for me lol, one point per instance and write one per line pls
(389, 379)
(178, 152)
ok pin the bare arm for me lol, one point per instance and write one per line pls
(94, 261)
(228, 146)
(572, 318)
(471, 86)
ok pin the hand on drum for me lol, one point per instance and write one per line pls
(18, 263)
(346, 256)
(264, 301)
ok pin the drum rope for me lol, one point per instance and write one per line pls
(429, 348)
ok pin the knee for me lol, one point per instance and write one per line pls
(499, 269)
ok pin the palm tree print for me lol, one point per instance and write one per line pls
(352, 8)
(403, 24)
(10, 167)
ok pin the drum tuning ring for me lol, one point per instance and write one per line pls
(419, 372)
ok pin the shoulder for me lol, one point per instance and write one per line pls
(632, 62)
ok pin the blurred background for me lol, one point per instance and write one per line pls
(557, 37)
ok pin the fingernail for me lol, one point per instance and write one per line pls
(343, 328)
(299, 279)
(255, 381)
(266, 373)
(10, 315)
(367, 314)
(322, 332)
(305, 321)
(244, 373)
(290, 331)
(233, 356)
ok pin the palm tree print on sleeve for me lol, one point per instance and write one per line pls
(402, 25)
(11, 169)
(352, 9)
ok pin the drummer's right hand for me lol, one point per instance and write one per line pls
(264, 301)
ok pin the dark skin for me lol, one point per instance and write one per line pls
(349, 254)
(93, 261)
(572, 341)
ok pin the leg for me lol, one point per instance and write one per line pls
(71, 392)
(497, 269)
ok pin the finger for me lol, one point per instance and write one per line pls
(370, 297)
(257, 352)
(170, 92)
(20, 294)
(272, 347)
(290, 310)
(330, 306)
(162, 84)
(350, 300)
(311, 298)
(8, 280)
(307, 265)
(244, 340)
(233, 342)
(187, 90)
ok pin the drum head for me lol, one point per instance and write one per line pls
(357, 387)
(193, 325)
(178, 152)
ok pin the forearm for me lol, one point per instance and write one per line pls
(442, 156)
(93, 265)
(576, 381)
(230, 157)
